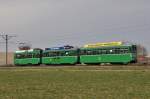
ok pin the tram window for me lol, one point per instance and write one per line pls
(100, 51)
(36, 55)
(126, 50)
(67, 53)
(117, 50)
(51, 54)
(121, 51)
(44, 54)
(81, 52)
(62, 53)
(29, 55)
(104, 51)
(89, 52)
(84, 52)
(18, 56)
(73, 53)
(112, 51)
(108, 51)
(95, 52)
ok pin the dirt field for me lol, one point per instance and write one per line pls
(3, 58)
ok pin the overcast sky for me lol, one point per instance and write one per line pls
(46, 23)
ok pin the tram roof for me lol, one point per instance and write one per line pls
(103, 47)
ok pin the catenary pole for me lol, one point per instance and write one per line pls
(7, 37)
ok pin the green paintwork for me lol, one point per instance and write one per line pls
(60, 60)
(83, 55)
(27, 61)
(107, 58)
(24, 59)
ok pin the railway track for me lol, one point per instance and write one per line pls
(82, 65)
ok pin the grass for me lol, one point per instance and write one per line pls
(74, 83)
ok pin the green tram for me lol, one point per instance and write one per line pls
(63, 56)
(28, 57)
(123, 54)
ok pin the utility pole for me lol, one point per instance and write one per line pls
(6, 49)
(7, 38)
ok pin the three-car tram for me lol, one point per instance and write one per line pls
(113, 53)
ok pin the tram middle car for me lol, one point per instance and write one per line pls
(60, 55)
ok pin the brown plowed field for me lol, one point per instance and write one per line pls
(3, 58)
